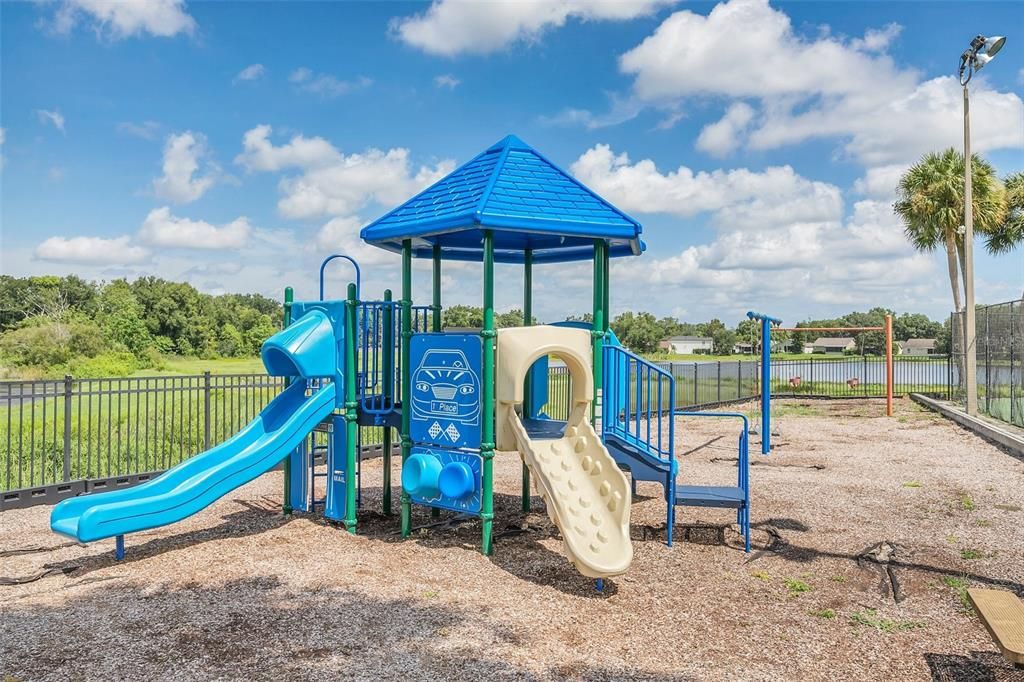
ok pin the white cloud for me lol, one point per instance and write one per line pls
(877, 39)
(781, 239)
(777, 196)
(331, 183)
(326, 85)
(250, 73)
(3, 135)
(54, 118)
(817, 87)
(621, 109)
(161, 228)
(902, 128)
(260, 154)
(91, 251)
(880, 182)
(451, 27)
(118, 19)
(341, 235)
(446, 80)
(724, 136)
(147, 130)
(182, 156)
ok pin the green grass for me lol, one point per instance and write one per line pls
(971, 554)
(761, 575)
(796, 587)
(870, 618)
(912, 484)
(838, 578)
(967, 502)
(177, 365)
(959, 587)
(828, 614)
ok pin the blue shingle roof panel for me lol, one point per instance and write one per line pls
(511, 189)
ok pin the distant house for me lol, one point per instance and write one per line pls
(687, 345)
(808, 348)
(744, 348)
(918, 347)
(828, 344)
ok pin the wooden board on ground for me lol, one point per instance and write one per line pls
(1003, 614)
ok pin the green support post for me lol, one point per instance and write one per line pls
(607, 290)
(406, 304)
(351, 412)
(435, 315)
(435, 307)
(286, 506)
(487, 409)
(388, 368)
(598, 325)
(527, 389)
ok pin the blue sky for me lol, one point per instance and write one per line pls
(234, 145)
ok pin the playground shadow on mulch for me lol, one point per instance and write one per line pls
(980, 666)
(256, 518)
(261, 628)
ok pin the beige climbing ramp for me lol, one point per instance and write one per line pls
(1003, 615)
(585, 493)
(586, 496)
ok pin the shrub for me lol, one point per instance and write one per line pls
(116, 364)
(48, 343)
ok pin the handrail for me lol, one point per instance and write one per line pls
(327, 260)
(743, 459)
(633, 408)
(378, 323)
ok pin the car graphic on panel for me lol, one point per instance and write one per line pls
(445, 386)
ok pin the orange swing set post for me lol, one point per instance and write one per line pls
(886, 328)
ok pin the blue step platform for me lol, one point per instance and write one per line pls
(638, 429)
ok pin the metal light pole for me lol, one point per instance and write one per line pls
(981, 52)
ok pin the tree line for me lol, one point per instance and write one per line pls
(642, 332)
(69, 324)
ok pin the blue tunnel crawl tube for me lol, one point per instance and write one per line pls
(307, 348)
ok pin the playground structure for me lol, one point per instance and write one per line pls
(456, 399)
(771, 324)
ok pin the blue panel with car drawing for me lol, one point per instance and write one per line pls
(448, 479)
(446, 389)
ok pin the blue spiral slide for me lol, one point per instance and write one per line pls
(306, 349)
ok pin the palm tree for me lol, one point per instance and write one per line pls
(930, 201)
(1010, 234)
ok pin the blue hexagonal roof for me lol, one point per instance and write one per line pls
(527, 201)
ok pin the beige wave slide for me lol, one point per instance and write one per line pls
(585, 493)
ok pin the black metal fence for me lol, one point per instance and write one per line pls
(1000, 347)
(62, 437)
(56, 433)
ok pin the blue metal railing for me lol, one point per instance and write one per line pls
(379, 325)
(742, 464)
(379, 328)
(637, 402)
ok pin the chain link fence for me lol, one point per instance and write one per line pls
(1000, 347)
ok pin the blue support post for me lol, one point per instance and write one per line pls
(766, 377)
(119, 548)
(766, 386)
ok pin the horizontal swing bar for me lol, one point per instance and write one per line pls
(828, 329)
